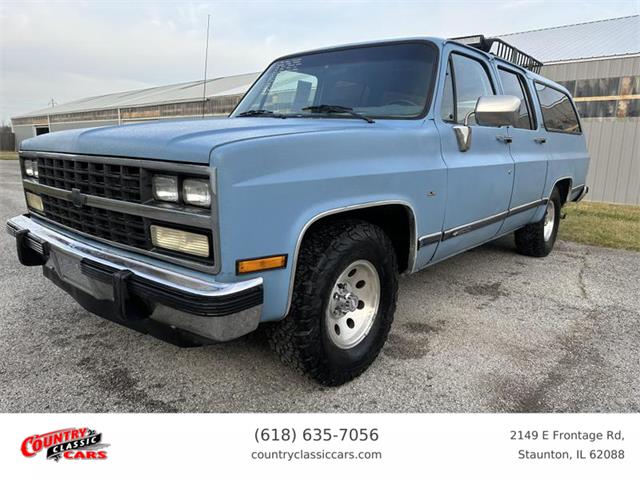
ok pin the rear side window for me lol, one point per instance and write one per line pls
(513, 84)
(557, 110)
(467, 80)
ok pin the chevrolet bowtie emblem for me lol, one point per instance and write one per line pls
(78, 198)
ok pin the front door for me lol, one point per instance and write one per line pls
(479, 180)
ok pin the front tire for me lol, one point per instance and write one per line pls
(538, 239)
(344, 299)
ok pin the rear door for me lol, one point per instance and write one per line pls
(479, 180)
(565, 142)
(527, 148)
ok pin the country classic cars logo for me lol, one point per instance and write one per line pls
(70, 443)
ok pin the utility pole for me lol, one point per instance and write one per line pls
(206, 57)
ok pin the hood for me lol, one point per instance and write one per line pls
(180, 141)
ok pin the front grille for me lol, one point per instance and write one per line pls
(114, 226)
(119, 182)
(65, 180)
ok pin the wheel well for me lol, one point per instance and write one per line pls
(563, 187)
(396, 220)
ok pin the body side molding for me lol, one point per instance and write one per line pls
(483, 222)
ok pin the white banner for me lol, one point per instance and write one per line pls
(313, 446)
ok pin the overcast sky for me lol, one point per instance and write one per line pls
(67, 50)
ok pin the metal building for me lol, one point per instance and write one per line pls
(599, 62)
(182, 100)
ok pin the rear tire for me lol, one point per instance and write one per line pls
(537, 239)
(344, 299)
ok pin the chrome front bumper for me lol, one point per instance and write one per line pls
(135, 293)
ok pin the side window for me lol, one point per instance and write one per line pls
(513, 84)
(557, 111)
(471, 81)
(447, 110)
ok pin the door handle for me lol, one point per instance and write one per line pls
(540, 140)
(504, 138)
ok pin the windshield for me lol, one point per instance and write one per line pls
(392, 80)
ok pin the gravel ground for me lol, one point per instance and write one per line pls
(487, 331)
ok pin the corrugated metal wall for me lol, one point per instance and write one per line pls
(614, 173)
(22, 132)
(614, 143)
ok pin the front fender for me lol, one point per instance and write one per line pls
(271, 190)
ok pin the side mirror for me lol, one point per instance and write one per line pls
(497, 110)
(490, 111)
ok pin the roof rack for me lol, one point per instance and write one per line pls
(502, 49)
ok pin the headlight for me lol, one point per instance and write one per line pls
(180, 241)
(165, 188)
(196, 192)
(31, 168)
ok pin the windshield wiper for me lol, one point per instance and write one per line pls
(260, 113)
(337, 109)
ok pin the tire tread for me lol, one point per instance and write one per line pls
(296, 338)
(530, 238)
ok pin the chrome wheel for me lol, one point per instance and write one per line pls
(353, 304)
(549, 220)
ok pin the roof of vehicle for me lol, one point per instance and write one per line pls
(536, 77)
(435, 40)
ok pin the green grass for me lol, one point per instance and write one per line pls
(602, 224)
(8, 155)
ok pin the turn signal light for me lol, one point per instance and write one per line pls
(261, 264)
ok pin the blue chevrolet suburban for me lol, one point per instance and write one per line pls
(339, 170)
